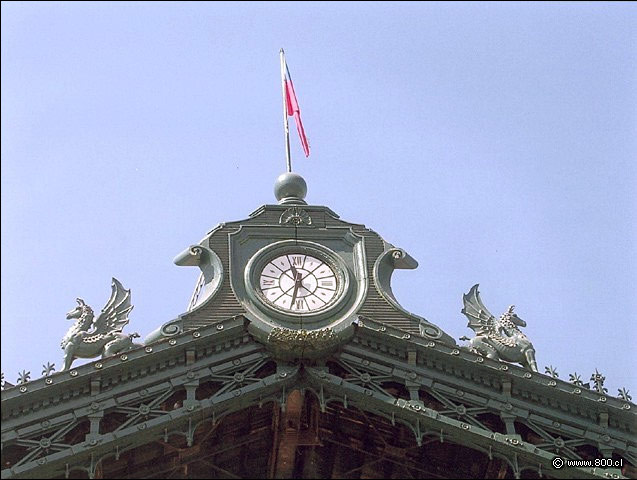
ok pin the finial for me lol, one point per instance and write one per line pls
(48, 369)
(290, 189)
(576, 380)
(624, 394)
(598, 382)
(552, 371)
(24, 377)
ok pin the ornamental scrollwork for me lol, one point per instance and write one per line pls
(296, 341)
(295, 216)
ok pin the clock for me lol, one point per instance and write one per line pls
(299, 280)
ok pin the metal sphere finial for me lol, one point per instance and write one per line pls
(290, 188)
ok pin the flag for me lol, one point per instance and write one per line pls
(294, 110)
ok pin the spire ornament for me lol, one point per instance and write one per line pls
(624, 394)
(23, 377)
(48, 369)
(576, 380)
(551, 370)
(598, 382)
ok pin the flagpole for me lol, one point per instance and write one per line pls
(286, 128)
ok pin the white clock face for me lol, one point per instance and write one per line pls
(298, 283)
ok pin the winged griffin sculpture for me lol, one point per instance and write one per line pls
(497, 338)
(88, 338)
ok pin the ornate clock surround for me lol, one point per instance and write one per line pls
(252, 247)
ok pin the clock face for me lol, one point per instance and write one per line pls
(299, 283)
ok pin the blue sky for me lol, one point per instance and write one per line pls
(495, 142)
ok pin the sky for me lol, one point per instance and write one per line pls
(495, 142)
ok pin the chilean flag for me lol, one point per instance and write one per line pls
(294, 110)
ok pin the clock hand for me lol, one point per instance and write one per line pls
(294, 272)
(297, 284)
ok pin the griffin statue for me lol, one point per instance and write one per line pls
(498, 339)
(88, 338)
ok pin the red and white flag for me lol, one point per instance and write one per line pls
(294, 110)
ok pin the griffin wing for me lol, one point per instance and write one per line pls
(114, 315)
(480, 319)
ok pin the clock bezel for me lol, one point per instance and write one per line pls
(260, 259)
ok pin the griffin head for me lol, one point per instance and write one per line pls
(77, 311)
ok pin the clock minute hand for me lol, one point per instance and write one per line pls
(294, 272)
(297, 284)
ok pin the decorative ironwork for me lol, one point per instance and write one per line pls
(497, 339)
(575, 379)
(296, 341)
(371, 379)
(598, 382)
(552, 371)
(48, 369)
(624, 394)
(23, 377)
